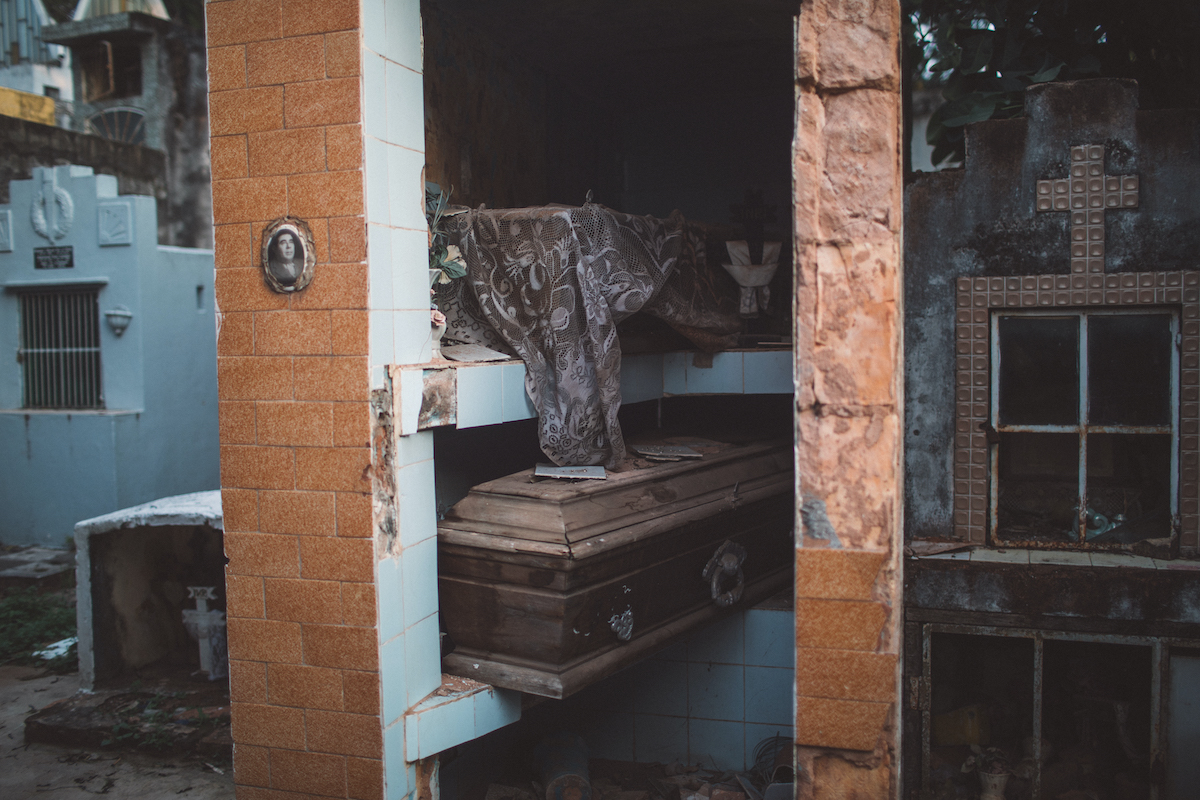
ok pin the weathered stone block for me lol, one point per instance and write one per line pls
(851, 464)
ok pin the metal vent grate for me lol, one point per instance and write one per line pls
(60, 349)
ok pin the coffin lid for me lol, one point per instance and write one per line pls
(580, 518)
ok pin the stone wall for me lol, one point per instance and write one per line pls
(981, 221)
(139, 170)
(847, 171)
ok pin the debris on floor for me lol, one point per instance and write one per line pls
(155, 718)
(629, 780)
(33, 769)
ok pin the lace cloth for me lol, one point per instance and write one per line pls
(551, 283)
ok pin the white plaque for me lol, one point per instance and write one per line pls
(114, 223)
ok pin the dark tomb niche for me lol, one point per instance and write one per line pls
(649, 107)
(140, 579)
(1091, 701)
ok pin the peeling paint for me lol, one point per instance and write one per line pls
(816, 521)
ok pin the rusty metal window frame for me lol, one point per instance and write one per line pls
(59, 349)
(1084, 426)
(976, 298)
(1160, 662)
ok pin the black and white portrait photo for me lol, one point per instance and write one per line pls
(288, 255)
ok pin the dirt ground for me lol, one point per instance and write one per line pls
(46, 771)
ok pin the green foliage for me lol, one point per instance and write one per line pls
(30, 620)
(444, 258)
(984, 53)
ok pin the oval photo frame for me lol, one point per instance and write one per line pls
(285, 271)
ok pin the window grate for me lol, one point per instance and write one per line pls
(60, 349)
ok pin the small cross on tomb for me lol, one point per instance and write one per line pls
(1087, 194)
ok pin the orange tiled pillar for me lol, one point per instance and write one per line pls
(294, 401)
(847, 168)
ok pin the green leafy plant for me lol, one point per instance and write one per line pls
(983, 54)
(445, 260)
(31, 619)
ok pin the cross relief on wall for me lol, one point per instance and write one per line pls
(1087, 195)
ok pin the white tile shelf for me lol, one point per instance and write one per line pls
(489, 393)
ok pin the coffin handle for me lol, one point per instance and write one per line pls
(726, 563)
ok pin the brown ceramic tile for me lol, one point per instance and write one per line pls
(306, 687)
(254, 467)
(340, 286)
(347, 239)
(293, 600)
(343, 147)
(303, 513)
(299, 58)
(244, 290)
(845, 725)
(342, 54)
(347, 734)
(231, 245)
(268, 554)
(354, 515)
(226, 68)
(333, 101)
(251, 765)
(312, 773)
(228, 157)
(337, 559)
(301, 333)
(364, 778)
(839, 624)
(334, 194)
(837, 574)
(361, 692)
(240, 509)
(350, 332)
(236, 334)
(845, 674)
(339, 378)
(264, 640)
(247, 681)
(319, 16)
(351, 424)
(358, 603)
(286, 152)
(244, 596)
(341, 469)
(293, 423)
(254, 378)
(259, 793)
(243, 21)
(341, 647)
(244, 111)
(236, 421)
(250, 199)
(320, 234)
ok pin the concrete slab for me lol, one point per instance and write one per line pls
(36, 770)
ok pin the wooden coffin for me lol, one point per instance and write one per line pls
(546, 585)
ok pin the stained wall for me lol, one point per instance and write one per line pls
(286, 121)
(847, 172)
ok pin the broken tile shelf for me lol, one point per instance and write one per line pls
(472, 394)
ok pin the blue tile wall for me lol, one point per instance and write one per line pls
(710, 698)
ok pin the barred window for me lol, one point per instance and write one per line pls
(60, 349)
(1084, 405)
